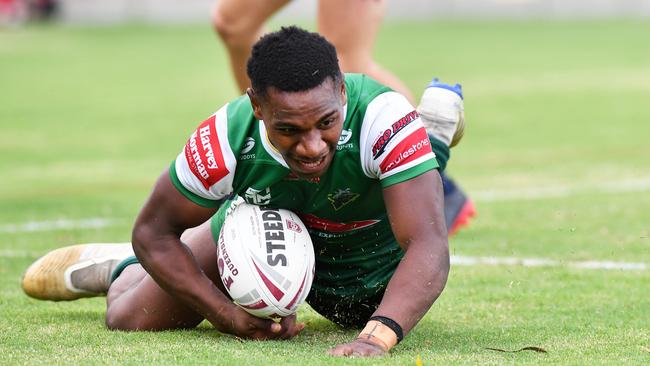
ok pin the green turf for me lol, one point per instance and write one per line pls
(90, 116)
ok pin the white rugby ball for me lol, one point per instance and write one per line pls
(266, 259)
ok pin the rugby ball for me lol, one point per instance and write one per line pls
(266, 259)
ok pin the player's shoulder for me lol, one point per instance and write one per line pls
(362, 89)
(364, 92)
(240, 109)
(204, 171)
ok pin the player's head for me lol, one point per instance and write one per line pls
(299, 93)
(291, 60)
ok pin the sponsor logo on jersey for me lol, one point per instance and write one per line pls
(415, 145)
(341, 198)
(319, 223)
(204, 156)
(346, 146)
(246, 157)
(249, 144)
(345, 137)
(379, 146)
(293, 176)
(258, 197)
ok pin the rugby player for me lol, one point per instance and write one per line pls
(349, 155)
(352, 26)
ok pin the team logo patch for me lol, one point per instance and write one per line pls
(341, 198)
(414, 146)
(379, 146)
(204, 156)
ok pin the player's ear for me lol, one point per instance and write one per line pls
(344, 92)
(255, 102)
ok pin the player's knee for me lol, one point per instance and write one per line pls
(231, 30)
(355, 63)
(121, 320)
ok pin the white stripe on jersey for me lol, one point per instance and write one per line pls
(379, 136)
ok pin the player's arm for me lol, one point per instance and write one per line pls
(416, 214)
(156, 242)
(398, 151)
(199, 178)
(415, 210)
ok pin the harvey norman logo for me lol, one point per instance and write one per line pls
(203, 154)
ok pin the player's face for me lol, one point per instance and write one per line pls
(304, 126)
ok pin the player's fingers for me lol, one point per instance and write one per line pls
(263, 328)
(290, 328)
(341, 350)
(293, 330)
(276, 328)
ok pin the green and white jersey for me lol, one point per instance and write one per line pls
(383, 142)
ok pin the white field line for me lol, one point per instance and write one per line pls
(457, 260)
(60, 224)
(638, 185)
(623, 186)
(461, 260)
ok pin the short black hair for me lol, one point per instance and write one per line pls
(292, 59)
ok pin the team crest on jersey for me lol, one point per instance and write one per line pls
(379, 146)
(258, 197)
(341, 198)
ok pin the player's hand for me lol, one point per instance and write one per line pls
(358, 347)
(244, 325)
(290, 328)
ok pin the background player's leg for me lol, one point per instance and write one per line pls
(239, 24)
(352, 26)
(136, 302)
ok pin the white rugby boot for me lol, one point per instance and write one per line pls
(74, 272)
(442, 112)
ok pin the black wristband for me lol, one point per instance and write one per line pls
(390, 323)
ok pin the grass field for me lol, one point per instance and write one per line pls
(556, 156)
